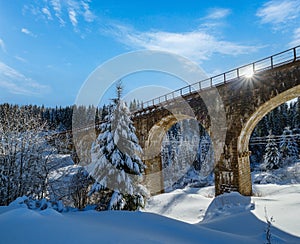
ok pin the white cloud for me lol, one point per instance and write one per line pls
(75, 12)
(17, 83)
(2, 45)
(27, 32)
(47, 13)
(296, 38)
(57, 9)
(21, 59)
(72, 16)
(278, 12)
(88, 15)
(74, 9)
(218, 13)
(197, 45)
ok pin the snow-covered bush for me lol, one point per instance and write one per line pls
(289, 174)
(39, 205)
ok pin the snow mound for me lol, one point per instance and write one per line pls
(228, 204)
(187, 204)
(19, 202)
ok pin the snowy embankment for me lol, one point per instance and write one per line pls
(230, 218)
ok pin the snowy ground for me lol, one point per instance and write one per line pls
(230, 218)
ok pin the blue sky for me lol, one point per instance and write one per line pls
(48, 48)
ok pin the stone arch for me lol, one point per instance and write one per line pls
(152, 150)
(264, 109)
(253, 120)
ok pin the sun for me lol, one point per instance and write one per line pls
(249, 73)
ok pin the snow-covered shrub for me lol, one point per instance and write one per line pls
(289, 174)
(39, 205)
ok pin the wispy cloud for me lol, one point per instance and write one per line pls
(218, 13)
(27, 32)
(296, 38)
(17, 83)
(278, 12)
(87, 13)
(77, 9)
(47, 13)
(72, 16)
(63, 11)
(197, 45)
(2, 45)
(282, 15)
(56, 6)
(21, 59)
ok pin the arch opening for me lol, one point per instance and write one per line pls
(244, 138)
(170, 156)
(187, 156)
(259, 115)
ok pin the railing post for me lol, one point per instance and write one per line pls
(295, 54)
(272, 62)
(199, 85)
(210, 82)
(238, 73)
(253, 67)
(224, 77)
(190, 89)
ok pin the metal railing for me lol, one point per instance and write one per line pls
(268, 63)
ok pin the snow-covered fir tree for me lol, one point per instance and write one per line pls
(116, 158)
(288, 147)
(272, 156)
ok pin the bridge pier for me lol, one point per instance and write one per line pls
(154, 175)
(232, 172)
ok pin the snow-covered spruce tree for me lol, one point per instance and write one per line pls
(115, 159)
(271, 157)
(288, 147)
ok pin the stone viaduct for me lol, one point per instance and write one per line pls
(228, 106)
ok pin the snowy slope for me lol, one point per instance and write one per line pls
(230, 218)
(49, 226)
(233, 213)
